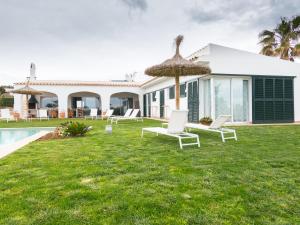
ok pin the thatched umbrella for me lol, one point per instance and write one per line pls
(26, 91)
(176, 67)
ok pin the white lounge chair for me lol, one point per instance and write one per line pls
(108, 114)
(216, 126)
(126, 115)
(133, 116)
(93, 114)
(175, 128)
(5, 115)
(42, 114)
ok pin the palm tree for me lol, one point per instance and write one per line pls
(283, 41)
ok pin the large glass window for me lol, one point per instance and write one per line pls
(222, 97)
(91, 102)
(88, 102)
(49, 102)
(182, 90)
(172, 92)
(232, 98)
(207, 98)
(154, 96)
(120, 105)
(240, 100)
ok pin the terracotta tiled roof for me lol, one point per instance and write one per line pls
(82, 83)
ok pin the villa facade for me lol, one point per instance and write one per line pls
(252, 88)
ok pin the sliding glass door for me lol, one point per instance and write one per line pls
(232, 98)
(207, 97)
(222, 97)
(240, 103)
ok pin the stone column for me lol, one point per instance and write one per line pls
(105, 102)
(63, 104)
(141, 105)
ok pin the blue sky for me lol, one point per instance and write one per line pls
(103, 40)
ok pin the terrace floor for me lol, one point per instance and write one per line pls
(123, 179)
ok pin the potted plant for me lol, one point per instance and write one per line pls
(53, 114)
(206, 120)
(70, 113)
(16, 115)
(62, 115)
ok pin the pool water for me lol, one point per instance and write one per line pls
(12, 135)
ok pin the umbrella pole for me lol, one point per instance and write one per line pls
(177, 90)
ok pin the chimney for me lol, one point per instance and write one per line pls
(32, 72)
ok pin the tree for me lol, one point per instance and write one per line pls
(283, 41)
(2, 90)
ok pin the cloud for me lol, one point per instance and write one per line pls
(66, 20)
(258, 13)
(136, 4)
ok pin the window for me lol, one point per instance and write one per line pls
(154, 96)
(182, 90)
(232, 98)
(207, 98)
(120, 105)
(222, 97)
(87, 102)
(240, 100)
(49, 102)
(172, 92)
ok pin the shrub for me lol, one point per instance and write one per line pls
(73, 129)
(206, 120)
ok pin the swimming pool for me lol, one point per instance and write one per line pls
(13, 135)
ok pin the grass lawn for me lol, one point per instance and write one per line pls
(123, 179)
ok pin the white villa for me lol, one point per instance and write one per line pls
(252, 88)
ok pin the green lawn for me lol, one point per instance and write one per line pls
(123, 179)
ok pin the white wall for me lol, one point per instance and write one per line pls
(63, 91)
(224, 60)
(165, 83)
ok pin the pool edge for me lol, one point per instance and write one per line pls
(10, 148)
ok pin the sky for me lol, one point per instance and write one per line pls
(104, 40)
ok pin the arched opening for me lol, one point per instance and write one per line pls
(81, 103)
(47, 100)
(122, 101)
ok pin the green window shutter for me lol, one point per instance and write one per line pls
(269, 110)
(172, 92)
(144, 105)
(259, 88)
(279, 110)
(269, 88)
(182, 90)
(273, 99)
(279, 88)
(288, 89)
(259, 111)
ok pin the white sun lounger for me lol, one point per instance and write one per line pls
(93, 114)
(216, 126)
(5, 115)
(175, 128)
(133, 116)
(108, 114)
(42, 114)
(126, 115)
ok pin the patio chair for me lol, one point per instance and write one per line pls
(107, 114)
(5, 115)
(93, 114)
(126, 115)
(175, 129)
(216, 126)
(42, 114)
(133, 116)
